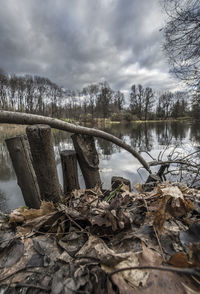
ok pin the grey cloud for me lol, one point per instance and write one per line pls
(78, 42)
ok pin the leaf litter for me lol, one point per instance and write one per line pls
(116, 241)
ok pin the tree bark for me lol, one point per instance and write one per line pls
(20, 154)
(70, 171)
(88, 159)
(44, 163)
(31, 119)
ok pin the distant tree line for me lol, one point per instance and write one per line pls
(34, 94)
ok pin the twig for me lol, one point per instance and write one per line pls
(194, 180)
(18, 285)
(162, 253)
(145, 151)
(73, 221)
(179, 161)
(187, 271)
(189, 155)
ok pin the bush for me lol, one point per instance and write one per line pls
(116, 117)
(128, 117)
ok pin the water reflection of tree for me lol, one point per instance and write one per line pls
(179, 131)
(60, 136)
(6, 170)
(141, 137)
(62, 141)
(171, 132)
(2, 201)
(195, 132)
(108, 148)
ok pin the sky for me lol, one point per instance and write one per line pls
(78, 42)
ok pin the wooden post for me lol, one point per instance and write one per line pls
(88, 159)
(44, 163)
(116, 181)
(70, 171)
(20, 154)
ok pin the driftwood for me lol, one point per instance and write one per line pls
(88, 159)
(20, 154)
(31, 119)
(70, 171)
(44, 163)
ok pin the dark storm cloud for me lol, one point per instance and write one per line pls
(78, 42)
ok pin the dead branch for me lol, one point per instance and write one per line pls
(11, 117)
(186, 167)
(186, 271)
(167, 162)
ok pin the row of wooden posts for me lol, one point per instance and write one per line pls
(34, 163)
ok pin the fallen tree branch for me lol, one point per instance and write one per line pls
(186, 271)
(167, 162)
(11, 117)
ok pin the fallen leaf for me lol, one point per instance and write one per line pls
(172, 191)
(96, 248)
(13, 255)
(22, 214)
(179, 259)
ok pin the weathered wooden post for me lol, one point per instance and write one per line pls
(20, 154)
(88, 159)
(44, 163)
(70, 171)
(116, 181)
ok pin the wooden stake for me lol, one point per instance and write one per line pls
(70, 171)
(20, 154)
(88, 159)
(116, 181)
(44, 163)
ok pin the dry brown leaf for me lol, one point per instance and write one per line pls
(179, 259)
(22, 214)
(124, 288)
(194, 254)
(149, 257)
(96, 247)
(173, 191)
(139, 187)
(160, 215)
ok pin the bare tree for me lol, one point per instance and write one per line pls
(182, 40)
(141, 101)
(91, 92)
(136, 100)
(3, 86)
(148, 101)
(119, 101)
(104, 100)
(164, 105)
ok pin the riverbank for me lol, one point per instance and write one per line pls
(109, 121)
(133, 242)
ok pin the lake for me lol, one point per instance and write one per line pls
(153, 137)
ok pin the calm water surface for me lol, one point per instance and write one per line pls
(114, 161)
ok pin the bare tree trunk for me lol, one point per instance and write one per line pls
(20, 154)
(31, 119)
(44, 163)
(88, 159)
(70, 171)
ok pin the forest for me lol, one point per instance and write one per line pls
(39, 95)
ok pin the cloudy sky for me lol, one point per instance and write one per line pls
(78, 42)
